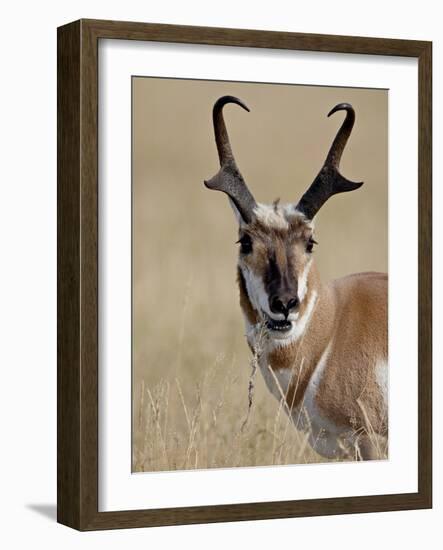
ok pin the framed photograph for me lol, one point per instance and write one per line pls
(263, 352)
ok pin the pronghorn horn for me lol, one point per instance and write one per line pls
(228, 179)
(329, 181)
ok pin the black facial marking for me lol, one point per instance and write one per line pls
(273, 274)
(281, 285)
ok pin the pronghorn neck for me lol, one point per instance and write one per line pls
(292, 360)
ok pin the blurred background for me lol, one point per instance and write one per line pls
(191, 363)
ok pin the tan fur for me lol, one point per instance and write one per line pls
(350, 315)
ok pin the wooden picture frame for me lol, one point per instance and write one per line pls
(77, 456)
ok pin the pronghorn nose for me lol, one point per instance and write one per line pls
(283, 304)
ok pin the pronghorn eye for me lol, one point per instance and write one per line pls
(310, 245)
(245, 244)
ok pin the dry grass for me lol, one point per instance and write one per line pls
(222, 420)
(212, 428)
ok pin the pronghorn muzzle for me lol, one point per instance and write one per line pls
(283, 303)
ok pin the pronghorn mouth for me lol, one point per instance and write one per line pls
(283, 325)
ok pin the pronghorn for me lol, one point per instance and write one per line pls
(320, 347)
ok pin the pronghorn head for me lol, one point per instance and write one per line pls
(276, 241)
